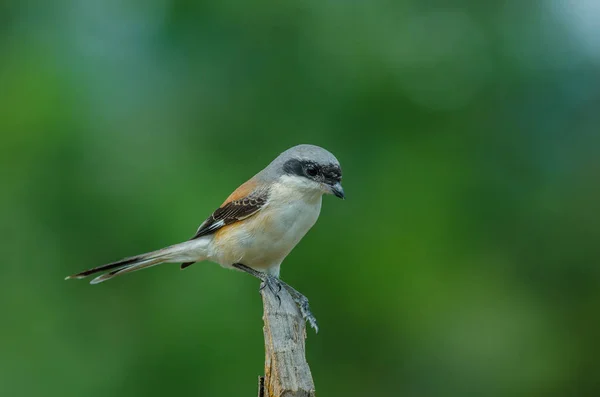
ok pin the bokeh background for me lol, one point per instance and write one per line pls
(465, 261)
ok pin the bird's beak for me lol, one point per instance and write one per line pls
(338, 190)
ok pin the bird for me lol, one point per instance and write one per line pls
(257, 226)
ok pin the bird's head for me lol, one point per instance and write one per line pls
(311, 168)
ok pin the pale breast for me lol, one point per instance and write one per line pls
(265, 239)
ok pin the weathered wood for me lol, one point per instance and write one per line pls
(287, 373)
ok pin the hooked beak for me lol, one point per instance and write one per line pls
(338, 191)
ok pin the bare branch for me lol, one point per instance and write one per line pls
(286, 371)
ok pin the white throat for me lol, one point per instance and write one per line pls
(297, 187)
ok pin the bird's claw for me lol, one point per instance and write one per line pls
(271, 282)
(306, 313)
(274, 284)
(302, 302)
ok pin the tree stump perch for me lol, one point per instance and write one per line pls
(287, 373)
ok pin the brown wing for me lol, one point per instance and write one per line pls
(243, 203)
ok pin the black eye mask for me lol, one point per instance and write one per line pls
(330, 173)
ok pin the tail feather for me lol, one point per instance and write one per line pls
(118, 264)
(186, 264)
(184, 252)
(127, 269)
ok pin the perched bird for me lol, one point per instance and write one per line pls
(257, 226)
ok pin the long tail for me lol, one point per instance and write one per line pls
(183, 252)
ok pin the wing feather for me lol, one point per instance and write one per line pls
(233, 211)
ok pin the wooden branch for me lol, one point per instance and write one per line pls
(286, 371)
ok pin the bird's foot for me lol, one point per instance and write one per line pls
(275, 284)
(302, 302)
(272, 282)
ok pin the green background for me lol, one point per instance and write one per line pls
(465, 261)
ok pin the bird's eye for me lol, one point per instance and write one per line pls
(312, 170)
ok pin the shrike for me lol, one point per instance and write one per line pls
(257, 226)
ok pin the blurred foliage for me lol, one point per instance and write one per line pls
(465, 261)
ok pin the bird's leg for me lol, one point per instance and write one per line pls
(275, 285)
(302, 302)
(272, 282)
